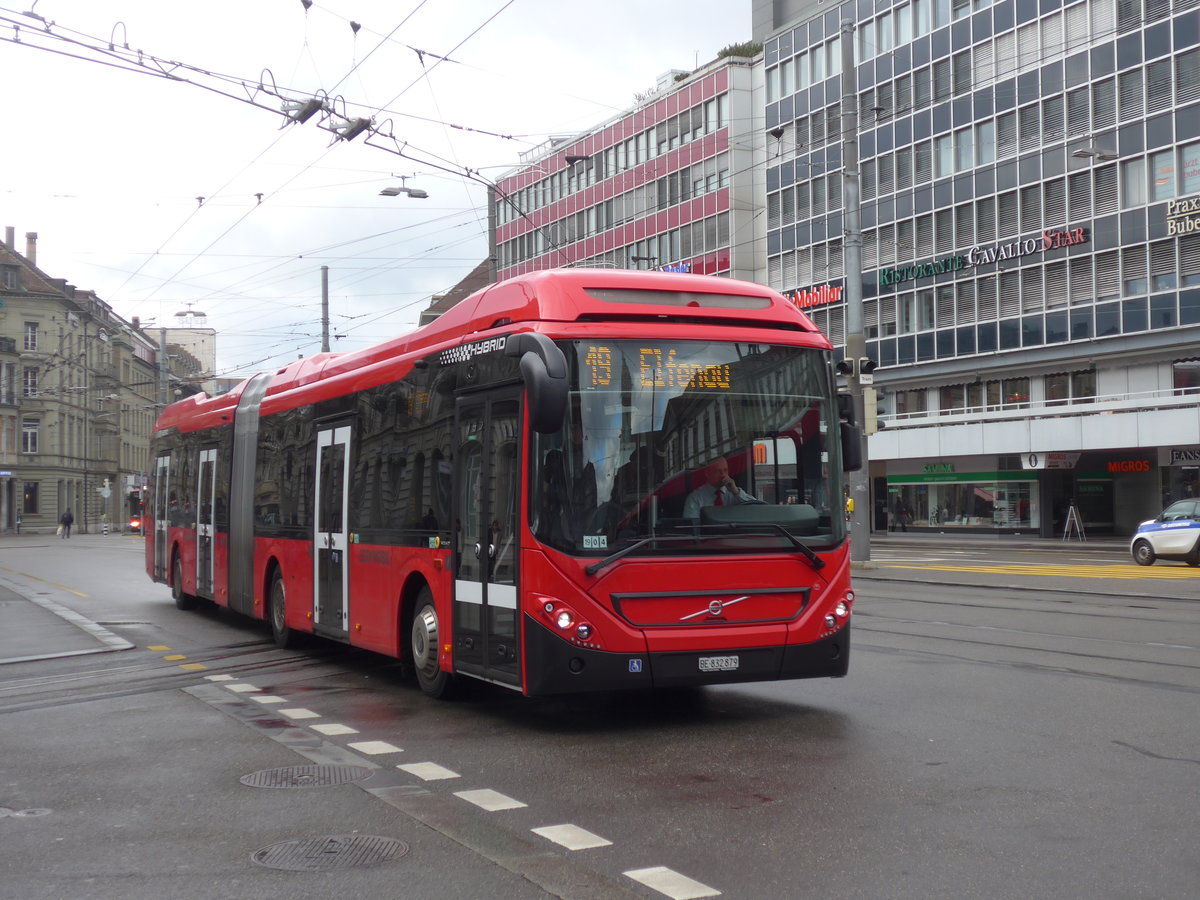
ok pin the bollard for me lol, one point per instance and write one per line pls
(105, 531)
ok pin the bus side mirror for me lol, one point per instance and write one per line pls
(544, 371)
(851, 448)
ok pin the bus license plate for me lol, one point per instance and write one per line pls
(718, 663)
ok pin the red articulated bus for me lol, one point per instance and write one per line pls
(573, 480)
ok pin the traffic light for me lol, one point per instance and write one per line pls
(863, 367)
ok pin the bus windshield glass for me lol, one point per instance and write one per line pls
(690, 447)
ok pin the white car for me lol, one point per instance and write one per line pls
(1175, 534)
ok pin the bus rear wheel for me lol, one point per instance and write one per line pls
(425, 641)
(182, 600)
(281, 634)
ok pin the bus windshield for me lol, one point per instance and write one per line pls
(692, 447)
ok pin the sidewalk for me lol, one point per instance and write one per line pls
(34, 627)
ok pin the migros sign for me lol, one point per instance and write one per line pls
(1120, 466)
(978, 256)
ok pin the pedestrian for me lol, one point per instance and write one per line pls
(66, 522)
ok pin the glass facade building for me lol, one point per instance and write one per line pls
(1030, 214)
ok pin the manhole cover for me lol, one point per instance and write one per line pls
(335, 851)
(305, 776)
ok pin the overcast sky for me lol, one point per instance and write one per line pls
(106, 164)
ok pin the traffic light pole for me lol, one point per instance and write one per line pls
(856, 342)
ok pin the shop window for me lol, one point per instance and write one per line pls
(29, 503)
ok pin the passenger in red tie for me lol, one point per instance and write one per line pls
(718, 490)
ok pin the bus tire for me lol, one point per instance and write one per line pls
(425, 640)
(284, 637)
(182, 600)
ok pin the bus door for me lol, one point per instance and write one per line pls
(206, 492)
(162, 514)
(330, 538)
(487, 510)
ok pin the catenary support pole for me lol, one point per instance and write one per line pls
(856, 343)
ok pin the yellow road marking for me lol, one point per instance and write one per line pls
(194, 667)
(174, 656)
(1122, 572)
(157, 647)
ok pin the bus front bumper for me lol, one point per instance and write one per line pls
(554, 666)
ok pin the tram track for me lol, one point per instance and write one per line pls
(1106, 637)
(151, 675)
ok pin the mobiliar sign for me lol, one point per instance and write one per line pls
(978, 256)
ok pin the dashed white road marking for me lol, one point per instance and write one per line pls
(374, 748)
(487, 799)
(428, 771)
(299, 713)
(218, 678)
(572, 837)
(669, 882)
(242, 688)
(334, 729)
(267, 699)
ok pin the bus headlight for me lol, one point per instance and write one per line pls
(842, 609)
(563, 620)
(830, 621)
(584, 632)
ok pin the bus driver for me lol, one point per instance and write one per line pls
(718, 490)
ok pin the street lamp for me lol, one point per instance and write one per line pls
(1095, 153)
(397, 190)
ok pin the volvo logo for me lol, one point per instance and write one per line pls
(715, 608)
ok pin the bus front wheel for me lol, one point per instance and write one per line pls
(426, 639)
(283, 636)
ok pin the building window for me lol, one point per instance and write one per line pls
(1190, 157)
(29, 504)
(1066, 387)
(30, 382)
(1186, 374)
(31, 336)
(910, 403)
(1162, 175)
(1007, 392)
(29, 435)
(1133, 182)
(10, 278)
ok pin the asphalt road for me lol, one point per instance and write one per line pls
(1018, 721)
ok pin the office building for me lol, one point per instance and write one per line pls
(1030, 214)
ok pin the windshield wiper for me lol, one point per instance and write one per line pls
(636, 545)
(806, 551)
